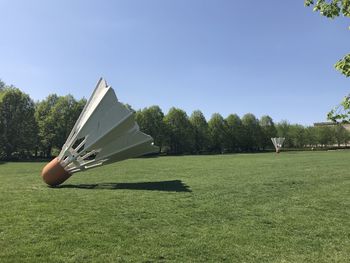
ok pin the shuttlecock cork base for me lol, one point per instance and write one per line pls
(54, 174)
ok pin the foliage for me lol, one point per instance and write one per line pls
(2, 85)
(65, 113)
(332, 9)
(325, 135)
(56, 117)
(179, 131)
(151, 121)
(252, 133)
(297, 136)
(283, 130)
(218, 133)
(17, 124)
(200, 132)
(342, 112)
(28, 130)
(268, 130)
(129, 107)
(341, 135)
(310, 136)
(235, 133)
(46, 124)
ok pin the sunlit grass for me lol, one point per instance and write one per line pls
(291, 207)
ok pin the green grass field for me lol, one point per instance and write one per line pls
(292, 207)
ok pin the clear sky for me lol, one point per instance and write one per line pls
(265, 57)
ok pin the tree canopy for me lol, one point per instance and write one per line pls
(252, 132)
(332, 9)
(218, 133)
(235, 133)
(29, 130)
(179, 131)
(56, 117)
(151, 122)
(200, 132)
(17, 124)
(2, 85)
(268, 130)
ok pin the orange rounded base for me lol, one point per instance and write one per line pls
(54, 174)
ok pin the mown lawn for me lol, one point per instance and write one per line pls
(292, 207)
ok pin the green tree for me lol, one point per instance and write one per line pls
(129, 107)
(325, 135)
(311, 136)
(218, 133)
(151, 121)
(268, 131)
(340, 134)
(2, 85)
(332, 9)
(56, 117)
(297, 136)
(283, 131)
(46, 123)
(347, 137)
(235, 133)
(179, 129)
(17, 124)
(65, 113)
(252, 132)
(200, 132)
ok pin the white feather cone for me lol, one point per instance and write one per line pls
(105, 132)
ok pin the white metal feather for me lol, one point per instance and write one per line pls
(105, 132)
(278, 143)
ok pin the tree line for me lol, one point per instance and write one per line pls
(31, 129)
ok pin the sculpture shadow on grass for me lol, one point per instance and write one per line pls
(168, 186)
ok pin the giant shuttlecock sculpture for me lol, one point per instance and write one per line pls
(105, 132)
(278, 143)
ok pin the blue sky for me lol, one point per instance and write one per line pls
(228, 56)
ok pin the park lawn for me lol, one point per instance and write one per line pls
(291, 207)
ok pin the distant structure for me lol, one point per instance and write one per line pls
(278, 142)
(328, 123)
